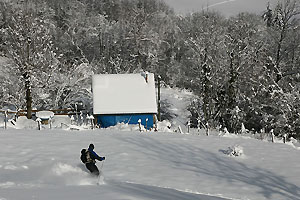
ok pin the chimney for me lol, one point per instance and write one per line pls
(146, 77)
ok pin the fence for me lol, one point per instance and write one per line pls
(66, 111)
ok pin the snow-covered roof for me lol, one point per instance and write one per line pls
(124, 94)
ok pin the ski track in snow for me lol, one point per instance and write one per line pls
(63, 175)
(157, 192)
(126, 190)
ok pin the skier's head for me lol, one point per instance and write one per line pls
(91, 146)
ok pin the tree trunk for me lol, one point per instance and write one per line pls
(28, 103)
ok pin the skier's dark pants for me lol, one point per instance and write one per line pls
(92, 168)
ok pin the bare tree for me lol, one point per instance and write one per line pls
(29, 44)
(281, 22)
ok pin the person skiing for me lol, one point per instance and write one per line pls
(90, 160)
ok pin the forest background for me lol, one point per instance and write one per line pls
(244, 70)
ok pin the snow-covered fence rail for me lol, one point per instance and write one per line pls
(65, 111)
(6, 113)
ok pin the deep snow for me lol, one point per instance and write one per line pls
(164, 165)
(45, 165)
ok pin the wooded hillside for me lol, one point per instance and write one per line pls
(245, 69)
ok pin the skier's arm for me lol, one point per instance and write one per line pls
(95, 155)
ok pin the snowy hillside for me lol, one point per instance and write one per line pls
(164, 165)
(174, 103)
(45, 165)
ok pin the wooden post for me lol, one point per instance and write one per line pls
(188, 126)
(5, 119)
(92, 121)
(284, 138)
(207, 129)
(180, 130)
(39, 123)
(262, 134)
(77, 115)
(158, 98)
(140, 126)
(272, 135)
(146, 123)
(50, 122)
(72, 120)
(155, 122)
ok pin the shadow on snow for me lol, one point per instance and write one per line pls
(211, 164)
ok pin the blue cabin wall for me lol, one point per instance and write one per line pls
(111, 120)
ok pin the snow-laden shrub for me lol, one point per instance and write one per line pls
(164, 126)
(224, 132)
(234, 151)
(125, 127)
(61, 121)
(24, 123)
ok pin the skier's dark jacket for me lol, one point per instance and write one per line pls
(94, 156)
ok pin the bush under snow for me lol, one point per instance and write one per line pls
(234, 151)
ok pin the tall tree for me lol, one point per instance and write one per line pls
(242, 46)
(29, 43)
(283, 31)
(281, 22)
(202, 60)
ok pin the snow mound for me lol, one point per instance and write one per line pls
(24, 123)
(124, 127)
(234, 151)
(61, 122)
(164, 126)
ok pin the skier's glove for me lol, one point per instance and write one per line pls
(103, 158)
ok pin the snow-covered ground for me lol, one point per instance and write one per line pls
(164, 165)
(149, 165)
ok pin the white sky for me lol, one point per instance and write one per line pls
(226, 7)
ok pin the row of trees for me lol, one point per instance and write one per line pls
(244, 69)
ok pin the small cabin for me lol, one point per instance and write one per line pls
(124, 98)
